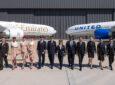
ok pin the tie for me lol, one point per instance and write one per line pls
(42, 41)
(80, 43)
(71, 43)
(111, 45)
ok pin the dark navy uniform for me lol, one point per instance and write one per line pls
(80, 51)
(110, 52)
(4, 48)
(101, 51)
(91, 48)
(51, 47)
(60, 49)
(71, 49)
(41, 47)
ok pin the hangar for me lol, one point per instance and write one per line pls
(59, 14)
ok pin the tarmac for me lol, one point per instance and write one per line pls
(55, 76)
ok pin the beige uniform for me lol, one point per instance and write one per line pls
(14, 49)
(24, 49)
(31, 49)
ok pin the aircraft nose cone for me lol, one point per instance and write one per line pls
(67, 32)
(54, 31)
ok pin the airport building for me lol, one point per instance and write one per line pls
(59, 14)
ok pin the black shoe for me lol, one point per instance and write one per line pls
(51, 67)
(7, 66)
(111, 68)
(72, 67)
(60, 68)
(80, 69)
(42, 65)
(39, 67)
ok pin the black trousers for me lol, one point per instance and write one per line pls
(60, 58)
(111, 59)
(71, 58)
(41, 59)
(80, 56)
(1, 63)
(51, 59)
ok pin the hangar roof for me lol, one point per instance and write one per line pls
(58, 4)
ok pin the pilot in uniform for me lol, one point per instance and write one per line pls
(101, 53)
(41, 48)
(24, 51)
(110, 52)
(4, 48)
(60, 49)
(91, 49)
(71, 50)
(51, 47)
(80, 51)
(31, 51)
(14, 52)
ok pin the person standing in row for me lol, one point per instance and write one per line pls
(51, 47)
(91, 49)
(4, 48)
(80, 51)
(31, 47)
(110, 53)
(24, 51)
(14, 52)
(71, 50)
(60, 49)
(41, 48)
(101, 53)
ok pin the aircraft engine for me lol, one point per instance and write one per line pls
(13, 33)
(102, 33)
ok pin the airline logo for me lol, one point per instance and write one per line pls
(88, 27)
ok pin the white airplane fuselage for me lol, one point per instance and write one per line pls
(21, 29)
(89, 29)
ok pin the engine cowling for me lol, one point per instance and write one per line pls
(13, 33)
(102, 33)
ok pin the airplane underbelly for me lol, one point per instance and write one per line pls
(84, 33)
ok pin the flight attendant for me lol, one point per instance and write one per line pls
(81, 51)
(91, 49)
(110, 53)
(60, 49)
(4, 48)
(24, 50)
(41, 48)
(14, 52)
(51, 47)
(71, 50)
(101, 53)
(31, 51)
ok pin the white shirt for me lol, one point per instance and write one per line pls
(32, 43)
(14, 44)
(22, 42)
(60, 46)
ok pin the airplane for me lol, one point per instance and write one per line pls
(101, 30)
(14, 29)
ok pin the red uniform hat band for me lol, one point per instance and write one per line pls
(31, 37)
(24, 37)
(13, 37)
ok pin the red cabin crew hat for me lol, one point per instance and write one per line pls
(32, 37)
(24, 37)
(13, 37)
